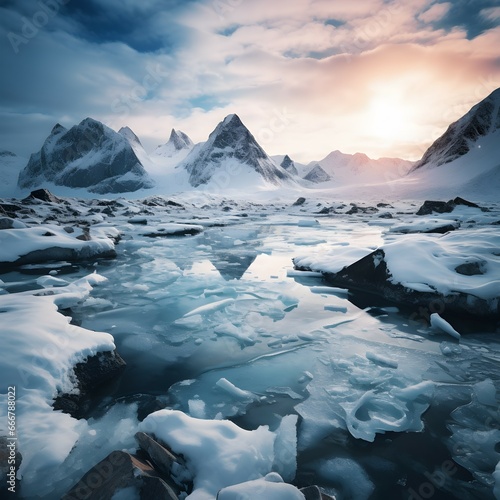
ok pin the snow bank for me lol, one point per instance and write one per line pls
(49, 242)
(221, 454)
(436, 261)
(42, 350)
(270, 487)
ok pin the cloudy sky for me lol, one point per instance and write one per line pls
(307, 77)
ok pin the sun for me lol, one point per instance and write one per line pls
(388, 119)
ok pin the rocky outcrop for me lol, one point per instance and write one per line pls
(88, 376)
(442, 207)
(120, 470)
(289, 165)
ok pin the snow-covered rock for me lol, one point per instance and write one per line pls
(218, 453)
(49, 242)
(457, 273)
(231, 156)
(89, 155)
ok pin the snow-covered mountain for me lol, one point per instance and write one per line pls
(179, 144)
(466, 158)
(231, 156)
(349, 169)
(137, 146)
(465, 134)
(89, 155)
(10, 166)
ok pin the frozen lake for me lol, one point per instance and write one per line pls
(219, 325)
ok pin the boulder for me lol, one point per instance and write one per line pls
(89, 376)
(442, 207)
(300, 201)
(117, 471)
(162, 458)
(8, 223)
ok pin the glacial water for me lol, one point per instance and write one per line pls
(187, 312)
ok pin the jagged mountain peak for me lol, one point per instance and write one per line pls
(180, 140)
(289, 165)
(229, 148)
(460, 137)
(58, 129)
(129, 134)
(317, 174)
(89, 155)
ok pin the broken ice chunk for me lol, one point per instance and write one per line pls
(438, 323)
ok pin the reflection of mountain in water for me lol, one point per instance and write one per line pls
(232, 266)
(235, 249)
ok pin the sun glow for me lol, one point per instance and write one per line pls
(388, 119)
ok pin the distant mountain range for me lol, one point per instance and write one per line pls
(90, 155)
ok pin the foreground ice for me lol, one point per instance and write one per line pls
(221, 454)
(42, 350)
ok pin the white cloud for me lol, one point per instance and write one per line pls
(491, 14)
(435, 13)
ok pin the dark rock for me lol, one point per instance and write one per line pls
(183, 231)
(446, 228)
(227, 209)
(385, 215)
(471, 268)
(42, 195)
(372, 275)
(158, 201)
(162, 458)
(326, 211)
(496, 223)
(384, 205)
(48, 233)
(85, 236)
(10, 210)
(117, 471)
(300, 201)
(443, 207)
(88, 377)
(355, 209)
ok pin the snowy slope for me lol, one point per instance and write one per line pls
(10, 166)
(178, 145)
(349, 169)
(231, 156)
(89, 155)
